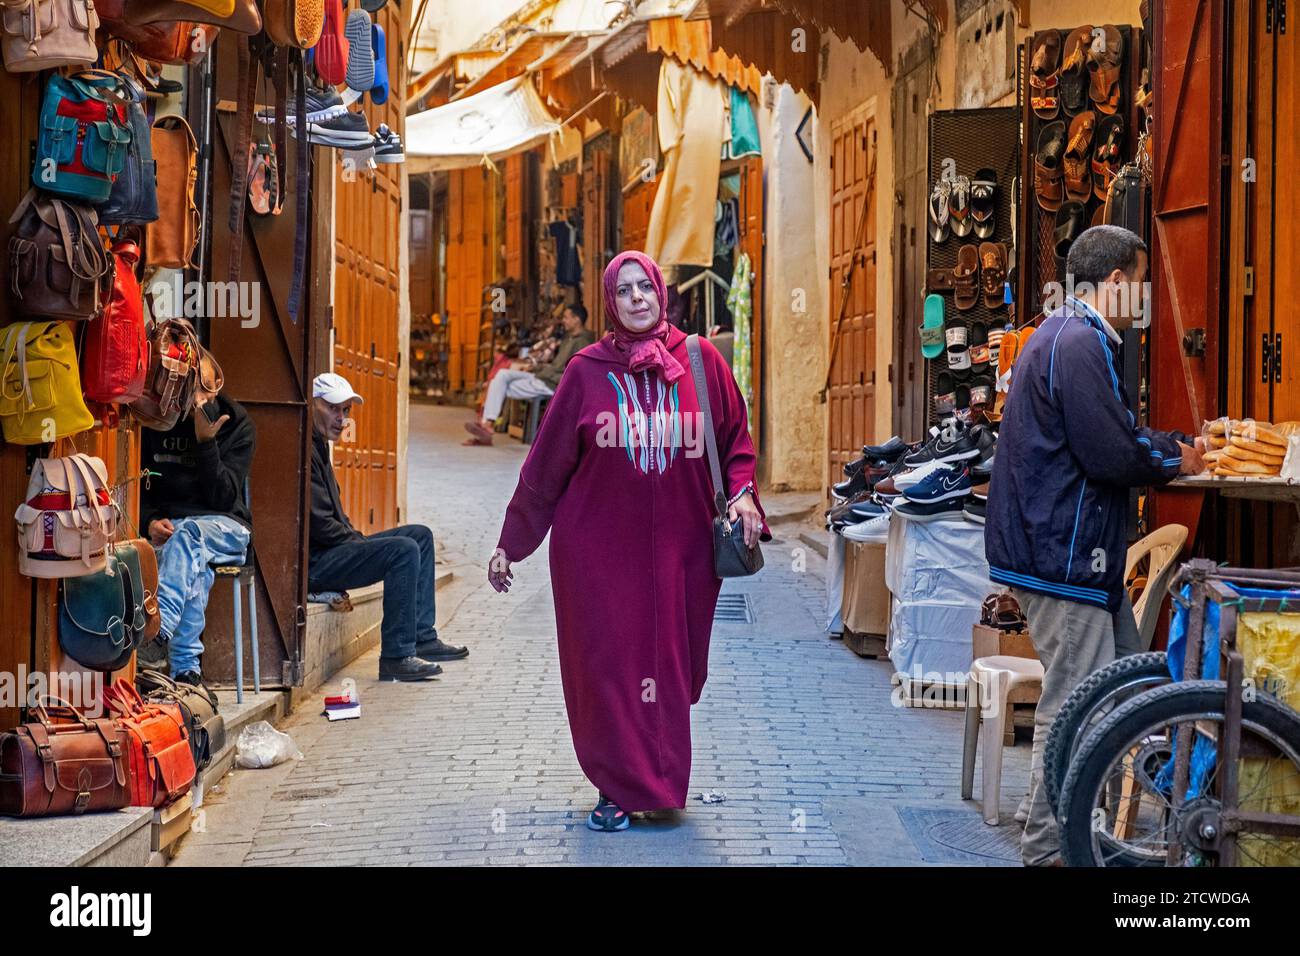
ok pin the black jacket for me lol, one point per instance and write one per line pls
(198, 478)
(330, 527)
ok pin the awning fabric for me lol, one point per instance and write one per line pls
(505, 119)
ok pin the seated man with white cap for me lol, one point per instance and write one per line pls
(340, 557)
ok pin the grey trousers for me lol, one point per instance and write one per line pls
(1072, 640)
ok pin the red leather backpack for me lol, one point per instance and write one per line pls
(115, 353)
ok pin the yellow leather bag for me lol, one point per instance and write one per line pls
(40, 385)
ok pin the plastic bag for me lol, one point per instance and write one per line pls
(261, 745)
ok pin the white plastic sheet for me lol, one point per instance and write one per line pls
(835, 584)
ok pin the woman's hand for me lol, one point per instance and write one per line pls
(747, 511)
(499, 573)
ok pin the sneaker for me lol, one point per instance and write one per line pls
(949, 508)
(968, 443)
(890, 451)
(873, 529)
(407, 669)
(323, 103)
(361, 53)
(940, 486)
(344, 131)
(917, 475)
(607, 817)
(388, 146)
(974, 509)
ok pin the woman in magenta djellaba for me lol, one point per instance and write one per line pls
(618, 474)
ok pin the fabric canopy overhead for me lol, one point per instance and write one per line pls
(505, 119)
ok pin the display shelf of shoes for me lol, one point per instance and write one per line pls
(429, 354)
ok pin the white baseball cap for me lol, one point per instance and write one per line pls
(334, 388)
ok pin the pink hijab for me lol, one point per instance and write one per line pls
(643, 349)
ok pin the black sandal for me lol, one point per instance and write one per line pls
(607, 817)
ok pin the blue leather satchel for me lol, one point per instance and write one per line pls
(82, 141)
(134, 199)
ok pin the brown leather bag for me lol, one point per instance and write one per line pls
(167, 41)
(46, 34)
(149, 573)
(170, 240)
(244, 18)
(296, 23)
(62, 762)
(58, 268)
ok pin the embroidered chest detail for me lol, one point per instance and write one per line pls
(649, 426)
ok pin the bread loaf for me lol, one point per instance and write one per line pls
(1262, 432)
(1245, 449)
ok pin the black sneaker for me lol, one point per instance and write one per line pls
(891, 450)
(915, 511)
(975, 509)
(344, 131)
(388, 146)
(968, 443)
(437, 650)
(322, 104)
(407, 669)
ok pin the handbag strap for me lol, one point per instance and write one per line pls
(300, 188)
(710, 442)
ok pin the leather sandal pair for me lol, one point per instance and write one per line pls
(1049, 166)
(1107, 156)
(1045, 75)
(1002, 611)
(1076, 164)
(980, 268)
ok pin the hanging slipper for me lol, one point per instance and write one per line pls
(995, 344)
(1070, 220)
(1008, 351)
(993, 273)
(957, 336)
(932, 327)
(361, 54)
(330, 54)
(1045, 75)
(1049, 173)
(962, 397)
(378, 44)
(945, 393)
(1074, 70)
(1107, 55)
(959, 212)
(1106, 155)
(1077, 162)
(979, 347)
(938, 205)
(981, 391)
(965, 277)
(983, 202)
(263, 179)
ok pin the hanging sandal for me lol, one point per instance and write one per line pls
(1106, 157)
(979, 347)
(993, 273)
(1048, 170)
(1078, 154)
(959, 212)
(938, 205)
(945, 393)
(957, 336)
(983, 202)
(607, 817)
(1107, 55)
(965, 277)
(1069, 223)
(1074, 70)
(1045, 75)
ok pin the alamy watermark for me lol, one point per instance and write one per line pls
(177, 299)
(1110, 298)
(84, 690)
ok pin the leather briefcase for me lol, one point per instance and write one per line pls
(162, 764)
(199, 707)
(61, 763)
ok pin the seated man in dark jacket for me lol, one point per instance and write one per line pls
(341, 557)
(193, 511)
(1069, 450)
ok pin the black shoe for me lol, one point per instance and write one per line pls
(891, 450)
(193, 678)
(939, 511)
(407, 669)
(855, 483)
(437, 650)
(348, 130)
(968, 443)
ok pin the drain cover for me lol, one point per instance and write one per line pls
(960, 836)
(310, 793)
(733, 609)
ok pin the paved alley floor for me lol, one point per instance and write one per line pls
(817, 763)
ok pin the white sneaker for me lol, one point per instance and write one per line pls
(918, 474)
(873, 529)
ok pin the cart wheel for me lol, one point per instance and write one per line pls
(1116, 802)
(1088, 703)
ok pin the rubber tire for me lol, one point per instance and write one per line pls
(1161, 704)
(1082, 703)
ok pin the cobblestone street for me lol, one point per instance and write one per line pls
(816, 762)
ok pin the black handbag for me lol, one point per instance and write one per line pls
(198, 705)
(102, 617)
(731, 557)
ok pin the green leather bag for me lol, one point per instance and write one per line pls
(102, 617)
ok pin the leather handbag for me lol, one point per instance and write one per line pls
(58, 268)
(67, 520)
(181, 42)
(170, 239)
(147, 558)
(101, 616)
(174, 353)
(63, 763)
(731, 557)
(115, 350)
(296, 23)
(134, 197)
(161, 762)
(83, 137)
(47, 34)
(40, 390)
(198, 706)
(238, 16)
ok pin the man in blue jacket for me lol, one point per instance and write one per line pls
(1069, 450)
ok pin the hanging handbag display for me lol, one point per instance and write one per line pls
(115, 351)
(181, 42)
(134, 198)
(161, 762)
(101, 616)
(40, 390)
(60, 762)
(296, 23)
(148, 560)
(82, 140)
(58, 268)
(170, 239)
(199, 708)
(168, 396)
(732, 558)
(238, 16)
(67, 519)
(47, 34)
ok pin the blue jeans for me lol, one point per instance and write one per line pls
(185, 578)
(403, 559)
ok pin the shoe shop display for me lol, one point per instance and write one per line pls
(388, 146)
(939, 486)
(873, 529)
(949, 509)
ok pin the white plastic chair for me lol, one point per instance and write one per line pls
(988, 687)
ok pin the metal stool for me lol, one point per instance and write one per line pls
(534, 418)
(242, 575)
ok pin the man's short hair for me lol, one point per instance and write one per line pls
(579, 310)
(1101, 250)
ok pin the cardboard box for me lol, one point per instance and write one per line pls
(865, 607)
(990, 642)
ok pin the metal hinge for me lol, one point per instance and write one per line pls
(1275, 12)
(1271, 358)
